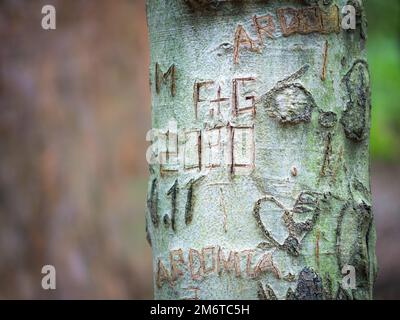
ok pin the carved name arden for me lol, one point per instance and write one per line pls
(289, 21)
(213, 261)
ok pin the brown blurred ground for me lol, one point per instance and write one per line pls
(74, 112)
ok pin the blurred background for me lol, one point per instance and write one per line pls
(74, 112)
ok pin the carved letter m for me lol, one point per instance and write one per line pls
(162, 78)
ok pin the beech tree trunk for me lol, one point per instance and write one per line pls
(259, 176)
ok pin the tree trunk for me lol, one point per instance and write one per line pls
(259, 175)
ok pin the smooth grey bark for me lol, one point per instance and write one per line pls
(263, 189)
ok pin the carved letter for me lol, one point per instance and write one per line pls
(162, 78)
(242, 39)
(162, 274)
(175, 271)
(264, 29)
(192, 264)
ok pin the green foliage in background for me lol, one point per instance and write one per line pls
(384, 60)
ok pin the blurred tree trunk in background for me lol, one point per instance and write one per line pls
(262, 189)
(72, 126)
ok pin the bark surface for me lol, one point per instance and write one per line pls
(262, 190)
